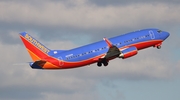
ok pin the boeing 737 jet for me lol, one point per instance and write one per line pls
(101, 52)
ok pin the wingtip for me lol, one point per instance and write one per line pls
(108, 42)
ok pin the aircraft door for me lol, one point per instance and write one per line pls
(61, 62)
(151, 33)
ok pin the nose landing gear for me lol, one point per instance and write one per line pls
(158, 46)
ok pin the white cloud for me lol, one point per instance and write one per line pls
(76, 83)
(78, 95)
(80, 83)
(147, 65)
(84, 15)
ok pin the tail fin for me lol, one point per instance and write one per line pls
(36, 50)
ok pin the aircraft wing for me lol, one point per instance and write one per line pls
(108, 42)
(113, 51)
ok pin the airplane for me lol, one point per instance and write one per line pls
(101, 52)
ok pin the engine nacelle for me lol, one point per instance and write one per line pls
(128, 52)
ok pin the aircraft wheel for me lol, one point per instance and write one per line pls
(99, 64)
(105, 63)
(158, 47)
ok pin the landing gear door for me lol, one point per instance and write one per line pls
(151, 33)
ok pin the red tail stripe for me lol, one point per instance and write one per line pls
(39, 53)
(34, 49)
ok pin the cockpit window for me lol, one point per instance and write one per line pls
(159, 31)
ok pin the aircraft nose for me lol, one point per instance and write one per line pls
(165, 35)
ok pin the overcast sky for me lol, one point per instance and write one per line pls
(64, 24)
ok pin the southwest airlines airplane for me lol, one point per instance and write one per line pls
(101, 52)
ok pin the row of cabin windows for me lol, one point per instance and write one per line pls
(85, 53)
(141, 37)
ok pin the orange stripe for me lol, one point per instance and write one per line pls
(33, 48)
(47, 65)
(33, 56)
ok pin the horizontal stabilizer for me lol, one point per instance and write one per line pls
(37, 64)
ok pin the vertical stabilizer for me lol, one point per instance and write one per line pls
(36, 49)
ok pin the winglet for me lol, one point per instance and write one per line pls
(108, 42)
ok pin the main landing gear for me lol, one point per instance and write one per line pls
(99, 64)
(104, 62)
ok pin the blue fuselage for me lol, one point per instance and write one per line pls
(137, 38)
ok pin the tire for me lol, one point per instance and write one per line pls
(158, 47)
(105, 63)
(99, 64)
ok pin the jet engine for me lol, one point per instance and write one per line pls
(128, 52)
